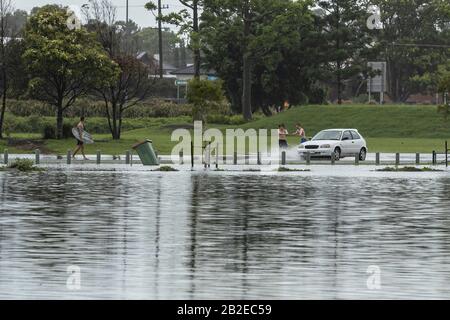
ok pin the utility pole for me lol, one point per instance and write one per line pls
(161, 64)
(127, 14)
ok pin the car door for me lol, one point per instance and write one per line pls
(358, 143)
(347, 143)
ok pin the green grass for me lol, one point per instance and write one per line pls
(388, 121)
(389, 128)
(409, 169)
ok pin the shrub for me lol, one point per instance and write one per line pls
(67, 130)
(24, 165)
(361, 99)
(317, 95)
(166, 169)
(153, 108)
(205, 96)
(224, 119)
(49, 132)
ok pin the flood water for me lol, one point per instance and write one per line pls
(183, 235)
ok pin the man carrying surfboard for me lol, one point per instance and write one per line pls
(80, 144)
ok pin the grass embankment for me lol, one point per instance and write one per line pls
(389, 128)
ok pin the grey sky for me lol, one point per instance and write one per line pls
(137, 11)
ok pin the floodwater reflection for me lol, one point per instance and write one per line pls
(222, 235)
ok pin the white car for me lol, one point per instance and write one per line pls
(343, 142)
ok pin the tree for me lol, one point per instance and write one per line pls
(344, 25)
(16, 21)
(172, 45)
(415, 42)
(205, 96)
(188, 20)
(135, 79)
(283, 48)
(64, 63)
(245, 17)
(6, 10)
(289, 60)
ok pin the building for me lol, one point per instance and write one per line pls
(153, 63)
(188, 73)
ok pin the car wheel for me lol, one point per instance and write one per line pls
(362, 154)
(337, 154)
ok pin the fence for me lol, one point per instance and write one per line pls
(208, 159)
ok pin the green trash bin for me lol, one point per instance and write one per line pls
(146, 153)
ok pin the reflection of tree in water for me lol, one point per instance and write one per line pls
(242, 223)
(64, 212)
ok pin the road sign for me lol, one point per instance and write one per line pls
(378, 82)
(179, 83)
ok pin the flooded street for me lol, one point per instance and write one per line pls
(222, 235)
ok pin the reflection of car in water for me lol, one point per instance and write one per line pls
(343, 142)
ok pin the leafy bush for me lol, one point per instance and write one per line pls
(154, 108)
(93, 125)
(49, 132)
(317, 95)
(67, 130)
(166, 169)
(224, 119)
(361, 99)
(206, 97)
(24, 165)
(408, 169)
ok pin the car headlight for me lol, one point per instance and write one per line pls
(301, 146)
(325, 146)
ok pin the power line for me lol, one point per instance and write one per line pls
(421, 45)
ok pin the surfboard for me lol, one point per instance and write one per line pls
(87, 138)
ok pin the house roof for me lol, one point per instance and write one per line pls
(8, 39)
(190, 70)
(144, 56)
(141, 55)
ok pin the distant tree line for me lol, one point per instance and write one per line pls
(268, 51)
(51, 57)
(264, 51)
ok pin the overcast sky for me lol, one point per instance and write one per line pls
(137, 11)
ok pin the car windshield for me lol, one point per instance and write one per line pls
(328, 135)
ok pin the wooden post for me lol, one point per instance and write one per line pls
(446, 153)
(259, 159)
(181, 158)
(192, 155)
(308, 158)
(417, 158)
(397, 159)
(37, 154)
(283, 158)
(5, 156)
(333, 158)
(377, 159)
(356, 159)
(99, 157)
(69, 156)
(235, 158)
(217, 157)
(434, 158)
(127, 157)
